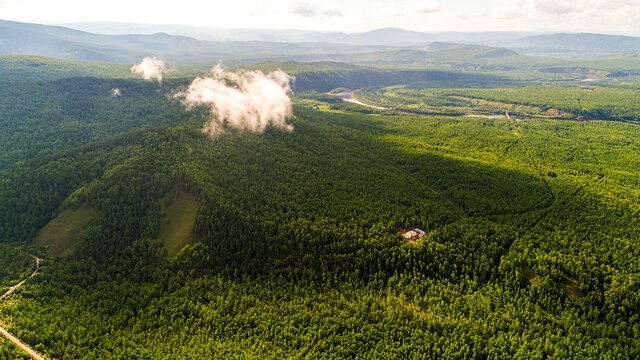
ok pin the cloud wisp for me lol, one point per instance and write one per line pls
(150, 68)
(429, 7)
(243, 100)
(611, 10)
(313, 11)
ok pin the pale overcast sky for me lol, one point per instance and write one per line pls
(609, 16)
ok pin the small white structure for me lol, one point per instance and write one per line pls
(410, 235)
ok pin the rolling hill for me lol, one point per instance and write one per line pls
(61, 42)
(447, 55)
(583, 42)
(386, 36)
(411, 49)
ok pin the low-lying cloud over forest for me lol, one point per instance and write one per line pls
(243, 100)
(150, 68)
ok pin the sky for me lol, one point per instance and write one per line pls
(604, 16)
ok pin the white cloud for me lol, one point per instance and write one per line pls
(149, 68)
(332, 12)
(592, 11)
(313, 11)
(555, 7)
(506, 9)
(428, 7)
(243, 100)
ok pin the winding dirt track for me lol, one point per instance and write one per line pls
(4, 332)
(348, 97)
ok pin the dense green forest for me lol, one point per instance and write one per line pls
(15, 266)
(40, 67)
(294, 245)
(8, 351)
(58, 115)
(328, 80)
(586, 101)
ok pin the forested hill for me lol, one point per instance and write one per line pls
(40, 67)
(39, 118)
(324, 81)
(163, 242)
(323, 76)
(577, 42)
(310, 76)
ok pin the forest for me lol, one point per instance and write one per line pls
(15, 266)
(619, 103)
(288, 244)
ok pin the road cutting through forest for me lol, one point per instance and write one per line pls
(4, 332)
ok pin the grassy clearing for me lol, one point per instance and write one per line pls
(532, 277)
(178, 215)
(571, 288)
(64, 233)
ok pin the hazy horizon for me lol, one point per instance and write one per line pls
(600, 16)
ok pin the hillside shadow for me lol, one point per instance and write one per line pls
(479, 189)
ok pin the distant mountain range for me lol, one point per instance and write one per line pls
(386, 36)
(520, 41)
(584, 42)
(185, 45)
(62, 42)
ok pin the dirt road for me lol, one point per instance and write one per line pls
(348, 97)
(4, 332)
